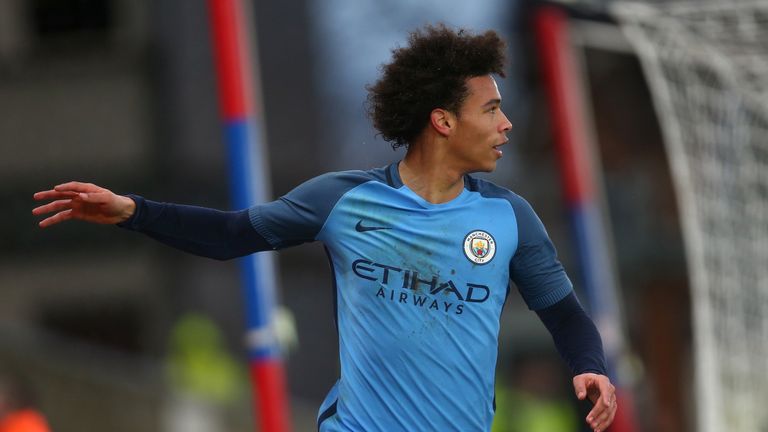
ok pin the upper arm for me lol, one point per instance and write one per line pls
(534, 268)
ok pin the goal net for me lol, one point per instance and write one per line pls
(706, 63)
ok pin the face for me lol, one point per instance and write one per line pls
(480, 128)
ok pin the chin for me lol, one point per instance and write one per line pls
(485, 168)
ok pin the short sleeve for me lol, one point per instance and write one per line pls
(534, 268)
(298, 216)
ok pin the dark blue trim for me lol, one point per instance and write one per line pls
(330, 411)
(334, 288)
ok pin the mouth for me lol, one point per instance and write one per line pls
(497, 148)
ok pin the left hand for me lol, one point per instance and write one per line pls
(83, 201)
(602, 393)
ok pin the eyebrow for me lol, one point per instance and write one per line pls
(492, 102)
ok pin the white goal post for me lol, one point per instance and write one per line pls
(706, 63)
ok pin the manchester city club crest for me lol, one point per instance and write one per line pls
(479, 247)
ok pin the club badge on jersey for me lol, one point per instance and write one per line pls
(479, 247)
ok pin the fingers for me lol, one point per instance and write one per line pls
(58, 217)
(74, 186)
(65, 196)
(601, 417)
(598, 416)
(580, 387)
(610, 414)
(53, 194)
(607, 391)
(69, 190)
(598, 389)
(53, 207)
(83, 201)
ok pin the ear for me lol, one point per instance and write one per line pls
(442, 121)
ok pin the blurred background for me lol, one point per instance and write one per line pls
(112, 331)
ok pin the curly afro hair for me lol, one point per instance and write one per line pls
(429, 73)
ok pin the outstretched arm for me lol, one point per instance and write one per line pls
(579, 343)
(198, 230)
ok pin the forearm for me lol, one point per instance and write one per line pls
(197, 230)
(575, 336)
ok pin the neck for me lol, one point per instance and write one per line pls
(428, 173)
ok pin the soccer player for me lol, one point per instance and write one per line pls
(422, 252)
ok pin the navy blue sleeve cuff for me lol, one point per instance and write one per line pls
(132, 222)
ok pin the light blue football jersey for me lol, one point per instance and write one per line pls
(419, 292)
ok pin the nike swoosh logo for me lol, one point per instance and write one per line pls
(362, 228)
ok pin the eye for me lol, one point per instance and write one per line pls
(493, 110)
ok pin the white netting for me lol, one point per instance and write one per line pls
(707, 66)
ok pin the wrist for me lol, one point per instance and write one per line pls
(128, 208)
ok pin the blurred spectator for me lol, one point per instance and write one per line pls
(18, 412)
(199, 362)
(204, 376)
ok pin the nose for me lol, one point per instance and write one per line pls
(506, 125)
